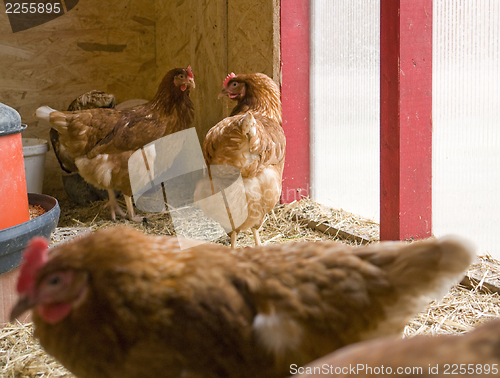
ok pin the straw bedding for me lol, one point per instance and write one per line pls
(461, 310)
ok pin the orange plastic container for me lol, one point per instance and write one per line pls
(14, 207)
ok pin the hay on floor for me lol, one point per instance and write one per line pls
(279, 226)
(461, 310)
(22, 357)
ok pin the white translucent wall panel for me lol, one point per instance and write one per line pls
(466, 121)
(345, 104)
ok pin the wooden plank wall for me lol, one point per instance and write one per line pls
(54, 63)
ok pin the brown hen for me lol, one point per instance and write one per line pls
(95, 131)
(474, 354)
(111, 172)
(253, 141)
(89, 100)
(254, 92)
(101, 140)
(119, 303)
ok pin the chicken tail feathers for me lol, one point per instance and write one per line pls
(419, 272)
(458, 252)
(56, 118)
(43, 112)
(433, 266)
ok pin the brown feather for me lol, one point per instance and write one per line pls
(476, 353)
(89, 100)
(99, 142)
(258, 152)
(262, 96)
(66, 162)
(224, 145)
(107, 171)
(154, 310)
(97, 131)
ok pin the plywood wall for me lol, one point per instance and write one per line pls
(125, 47)
(216, 37)
(105, 45)
(194, 32)
(250, 36)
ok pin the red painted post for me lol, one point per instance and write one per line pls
(405, 119)
(295, 36)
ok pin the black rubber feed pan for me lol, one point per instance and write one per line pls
(14, 239)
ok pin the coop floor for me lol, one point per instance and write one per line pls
(280, 226)
(461, 310)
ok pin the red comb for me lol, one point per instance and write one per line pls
(34, 257)
(190, 73)
(228, 78)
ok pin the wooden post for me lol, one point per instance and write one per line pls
(405, 119)
(295, 36)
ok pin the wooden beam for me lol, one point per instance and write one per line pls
(326, 228)
(405, 119)
(295, 97)
(482, 276)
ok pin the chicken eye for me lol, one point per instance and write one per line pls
(53, 281)
(181, 76)
(235, 84)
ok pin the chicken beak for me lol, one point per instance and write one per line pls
(222, 93)
(24, 304)
(190, 83)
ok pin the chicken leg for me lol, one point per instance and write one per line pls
(130, 210)
(116, 209)
(113, 205)
(233, 239)
(256, 236)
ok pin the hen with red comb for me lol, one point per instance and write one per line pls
(118, 303)
(102, 140)
(256, 92)
(251, 140)
(34, 257)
